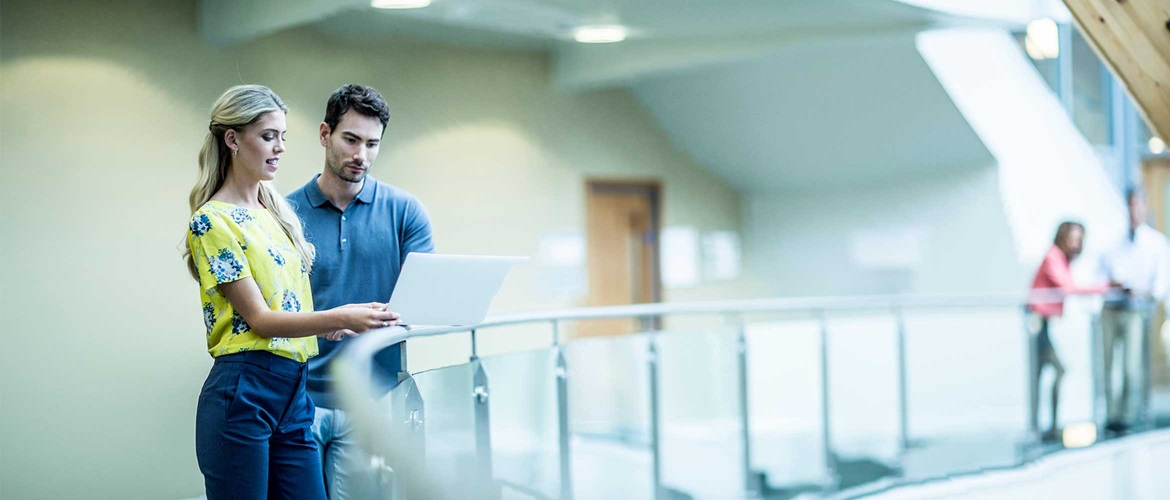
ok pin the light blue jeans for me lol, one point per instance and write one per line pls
(349, 473)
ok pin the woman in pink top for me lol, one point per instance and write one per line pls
(1052, 283)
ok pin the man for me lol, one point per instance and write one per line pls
(1053, 281)
(363, 229)
(1139, 266)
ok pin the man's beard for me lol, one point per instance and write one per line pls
(338, 169)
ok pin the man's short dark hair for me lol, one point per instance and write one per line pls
(360, 98)
(1133, 192)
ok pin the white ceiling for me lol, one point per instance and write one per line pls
(839, 112)
(546, 23)
(768, 94)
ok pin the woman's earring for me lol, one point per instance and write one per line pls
(235, 152)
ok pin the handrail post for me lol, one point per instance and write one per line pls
(408, 412)
(826, 430)
(903, 396)
(655, 431)
(403, 368)
(483, 428)
(474, 345)
(1145, 416)
(483, 432)
(561, 372)
(753, 484)
(1033, 375)
(1097, 363)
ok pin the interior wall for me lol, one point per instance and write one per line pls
(104, 107)
(937, 235)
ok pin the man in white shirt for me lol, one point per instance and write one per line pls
(1139, 265)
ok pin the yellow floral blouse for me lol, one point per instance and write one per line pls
(229, 243)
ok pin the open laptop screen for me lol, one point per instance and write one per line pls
(438, 289)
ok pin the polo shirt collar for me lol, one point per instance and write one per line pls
(366, 195)
(318, 199)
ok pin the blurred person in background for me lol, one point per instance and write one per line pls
(246, 249)
(1139, 266)
(1052, 283)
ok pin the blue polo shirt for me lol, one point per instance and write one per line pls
(359, 256)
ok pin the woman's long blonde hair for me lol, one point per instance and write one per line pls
(237, 108)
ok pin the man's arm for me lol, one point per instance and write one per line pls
(416, 230)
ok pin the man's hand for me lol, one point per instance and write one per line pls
(340, 334)
(369, 305)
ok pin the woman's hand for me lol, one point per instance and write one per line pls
(359, 318)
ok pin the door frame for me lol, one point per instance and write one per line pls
(652, 281)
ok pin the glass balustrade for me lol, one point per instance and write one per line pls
(764, 399)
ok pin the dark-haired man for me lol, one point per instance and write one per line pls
(1140, 264)
(363, 229)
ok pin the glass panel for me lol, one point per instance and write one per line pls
(524, 420)
(609, 394)
(450, 428)
(784, 387)
(863, 395)
(701, 448)
(1091, 91)
(391, 438)
(967, 382)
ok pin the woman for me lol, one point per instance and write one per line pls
(246, 249)
(1052, 283)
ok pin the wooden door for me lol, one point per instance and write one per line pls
(1156, 180)
(622, 251)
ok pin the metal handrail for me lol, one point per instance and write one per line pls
(376, 340)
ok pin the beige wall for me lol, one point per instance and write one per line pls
(807, 244)
(103, 106)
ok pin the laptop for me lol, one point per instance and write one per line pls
(437, 289)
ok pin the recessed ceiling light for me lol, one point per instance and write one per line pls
(1157, 145)
(600, 34)
(1043, 39)
(399, 4)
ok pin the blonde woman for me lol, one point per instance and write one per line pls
(246, 249)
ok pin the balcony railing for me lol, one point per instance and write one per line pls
(760, 398)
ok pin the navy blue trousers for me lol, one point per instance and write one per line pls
(252, 430)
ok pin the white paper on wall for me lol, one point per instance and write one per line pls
(565, 248)
(560, 256)
(887, 248)
(679, 254)
(721, 255)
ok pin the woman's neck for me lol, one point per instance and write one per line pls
(237, 191)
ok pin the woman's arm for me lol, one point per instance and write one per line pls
(1061, 275)
(245, 297)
